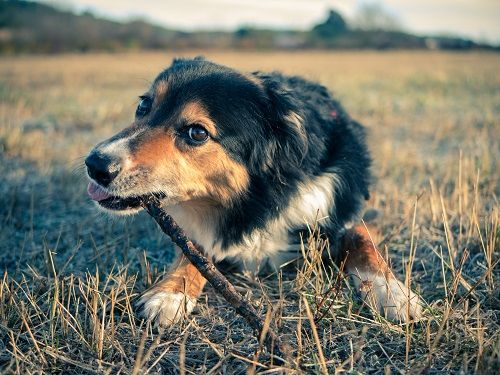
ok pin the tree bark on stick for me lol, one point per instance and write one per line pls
(220, 283)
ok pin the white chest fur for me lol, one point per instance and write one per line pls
(313, 201)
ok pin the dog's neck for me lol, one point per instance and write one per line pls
(200, 220)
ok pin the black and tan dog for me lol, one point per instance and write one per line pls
(243, 162)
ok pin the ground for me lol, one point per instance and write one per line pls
(72, 275)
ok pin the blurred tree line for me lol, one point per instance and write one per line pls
(29, 27)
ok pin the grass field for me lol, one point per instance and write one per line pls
(72, 275)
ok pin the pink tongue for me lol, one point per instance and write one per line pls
(96, 193)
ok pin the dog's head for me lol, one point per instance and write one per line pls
(201, 133)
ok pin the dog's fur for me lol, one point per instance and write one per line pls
(281, 153)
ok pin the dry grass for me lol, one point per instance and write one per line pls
(71, 276)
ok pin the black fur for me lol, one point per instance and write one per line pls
(256, 120)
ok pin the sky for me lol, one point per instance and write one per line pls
(477, 19)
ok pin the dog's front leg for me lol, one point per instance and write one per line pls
(168, 300)
(374, 279)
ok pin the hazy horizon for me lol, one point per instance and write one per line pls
(472, 19)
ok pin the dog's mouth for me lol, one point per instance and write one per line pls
(113, 202)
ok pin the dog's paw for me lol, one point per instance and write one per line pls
(164, 308)
(391, 298)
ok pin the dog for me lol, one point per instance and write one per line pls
(244, 162)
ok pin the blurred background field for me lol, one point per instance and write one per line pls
(55, 26)
(72, 274)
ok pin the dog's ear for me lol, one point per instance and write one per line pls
(287, 141)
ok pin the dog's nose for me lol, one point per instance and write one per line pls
(102, 168)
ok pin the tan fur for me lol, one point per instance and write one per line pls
(161, 89)
(202, 172)
(182, 278)
(359, 251)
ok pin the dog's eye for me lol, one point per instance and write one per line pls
(197, 134)
(144, 107)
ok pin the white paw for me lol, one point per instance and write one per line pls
(389, 296)
(165, 308)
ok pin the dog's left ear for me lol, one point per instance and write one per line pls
(287, 145)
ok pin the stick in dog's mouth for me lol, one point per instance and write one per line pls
(206, 267)
(114, 202)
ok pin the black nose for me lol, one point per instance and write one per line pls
(102, 168)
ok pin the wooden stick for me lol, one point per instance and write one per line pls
(214, 276)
